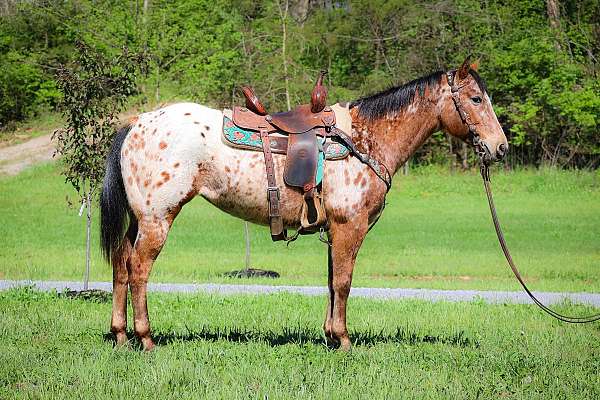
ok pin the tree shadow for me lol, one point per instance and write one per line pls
(301, 336)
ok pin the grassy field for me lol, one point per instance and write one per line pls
(271, 347)
(435, 233)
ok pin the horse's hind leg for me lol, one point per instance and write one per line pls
(152, 233)
(120, 281)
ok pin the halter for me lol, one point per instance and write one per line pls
(480, 149)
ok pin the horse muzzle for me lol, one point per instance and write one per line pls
(487, 152)
(501, 151)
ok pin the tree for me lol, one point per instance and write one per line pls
(95, 89)
(539, 58)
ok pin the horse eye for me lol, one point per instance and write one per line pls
(476, 100)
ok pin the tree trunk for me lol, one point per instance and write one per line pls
(283, 13)
(247, 234)
(144, 37)
(451, 149)
(299, 10)
(157, 91)
(86, 279)
(5, 4)
(553, 11)
(145, 22)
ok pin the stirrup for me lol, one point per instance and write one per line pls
(313, 212)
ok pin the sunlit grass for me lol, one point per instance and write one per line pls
(436, 233)
(271, 346)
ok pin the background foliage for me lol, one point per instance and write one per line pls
(93, 93)
(541, 65)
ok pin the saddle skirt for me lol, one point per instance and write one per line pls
(245, 139)
(310, 149)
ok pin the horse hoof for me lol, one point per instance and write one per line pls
(345, 345)
(332, 342)
(147, 344)
(121, 339)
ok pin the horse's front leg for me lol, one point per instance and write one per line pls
(346, 240)
(328, 323)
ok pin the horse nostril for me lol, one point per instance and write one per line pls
(502, 149)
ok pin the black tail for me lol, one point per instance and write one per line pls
(113, 200)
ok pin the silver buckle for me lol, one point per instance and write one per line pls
(272, 189)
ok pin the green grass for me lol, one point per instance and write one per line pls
(271, 346)
(435, 233)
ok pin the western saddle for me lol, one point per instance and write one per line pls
(306, 128)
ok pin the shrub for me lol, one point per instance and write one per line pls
(24, 88)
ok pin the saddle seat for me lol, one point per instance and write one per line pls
(301, 119)
(297, 121)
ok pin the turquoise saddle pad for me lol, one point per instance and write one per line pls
(250, 140)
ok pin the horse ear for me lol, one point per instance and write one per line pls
(463, 71)
(475, 65)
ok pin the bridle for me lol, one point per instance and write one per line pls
(481, 151)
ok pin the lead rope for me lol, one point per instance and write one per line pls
(485, 174)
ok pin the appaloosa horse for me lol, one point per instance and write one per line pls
(165, 158)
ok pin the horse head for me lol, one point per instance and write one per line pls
(469, 113)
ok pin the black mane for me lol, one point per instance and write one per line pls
(392, 100)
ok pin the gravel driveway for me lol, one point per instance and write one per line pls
(375, 293)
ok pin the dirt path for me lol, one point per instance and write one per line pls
(14, 159)
(488, 296)
(17, 157)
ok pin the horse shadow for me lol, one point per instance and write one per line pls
(302, 336)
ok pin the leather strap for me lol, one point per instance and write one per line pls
(464, 115)
(273, 195)
(485, 174)
(454, 89)
(379, 168)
